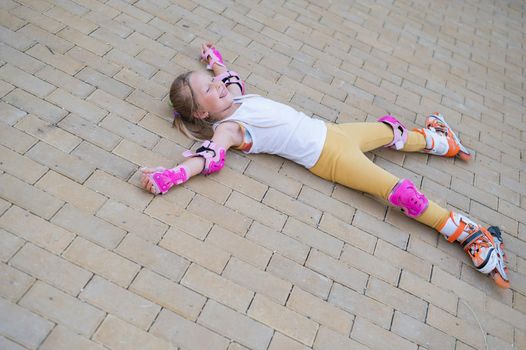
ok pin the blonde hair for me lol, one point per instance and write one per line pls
(185, 106)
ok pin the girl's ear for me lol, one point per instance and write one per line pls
(200, 114)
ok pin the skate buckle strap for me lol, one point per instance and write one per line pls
(230, 77)
(472, 238)
(458, 231)
(164, 179)
(213, 154)
(405, 196)
(491, 259)
(399, 130)
(215, 57)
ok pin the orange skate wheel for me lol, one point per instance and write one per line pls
(464, 156)
(499, 281)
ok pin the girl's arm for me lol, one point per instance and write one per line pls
(217, 69)
(227, 135)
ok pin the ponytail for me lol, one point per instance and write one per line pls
(198, 130)
(184, 104)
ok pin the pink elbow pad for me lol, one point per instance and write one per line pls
(213, 154)
(406, 197)
(230, 77)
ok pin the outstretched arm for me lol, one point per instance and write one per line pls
(227, 135)
(212, 57)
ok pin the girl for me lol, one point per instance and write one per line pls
(216, 110)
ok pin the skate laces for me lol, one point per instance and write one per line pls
(478, 244)
(437, 125)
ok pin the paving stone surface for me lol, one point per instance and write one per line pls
(264, 255)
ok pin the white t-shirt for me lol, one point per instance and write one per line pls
(279, 129)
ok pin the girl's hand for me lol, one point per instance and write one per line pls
(205, 47)
(146, 183)
(211, 56)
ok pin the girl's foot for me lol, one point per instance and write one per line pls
(500, 273)
(441, 140)
(484, 246)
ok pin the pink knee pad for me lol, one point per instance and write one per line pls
(405, 196)
(213, 154)
(164, 179)
(399, 130)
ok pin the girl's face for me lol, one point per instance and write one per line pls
(212, 96)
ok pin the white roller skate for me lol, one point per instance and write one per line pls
(484, 246)
(441, 140)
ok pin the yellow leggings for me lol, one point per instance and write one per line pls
(343, 161)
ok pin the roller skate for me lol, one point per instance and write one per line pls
(484, 246)
(441, 140)
(500, 273)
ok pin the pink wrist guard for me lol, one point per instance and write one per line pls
(164, 179)
(215, 57)
(405, 196)
(213, 154)
(399, 130)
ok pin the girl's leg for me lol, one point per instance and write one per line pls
(360, 173)
(439, 137)
(370, 136)
(344, 162)
(484, 246)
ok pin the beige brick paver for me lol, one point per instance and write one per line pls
(118, 334)
(72, 192)
(284, 320)
(63, 163)
(264, 255)
(329, 339)
(14, 282)
(120, 302)
(50, 268)
(216, 287)
(22, 167)
(9, 244)
(168, 294)
(304, 277)
(179, 218)
(21, 325)
(278, 242)
(14, 139)
(62, 308)
(421, 333)
(377, 338)
(132, 220)
(186, 334)
(203, 253)
(239, 247)
(236, 326)
(320, 311)
(35, 229)
(88, 226)
(28, 197)
(101, 261)
(63, 338)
